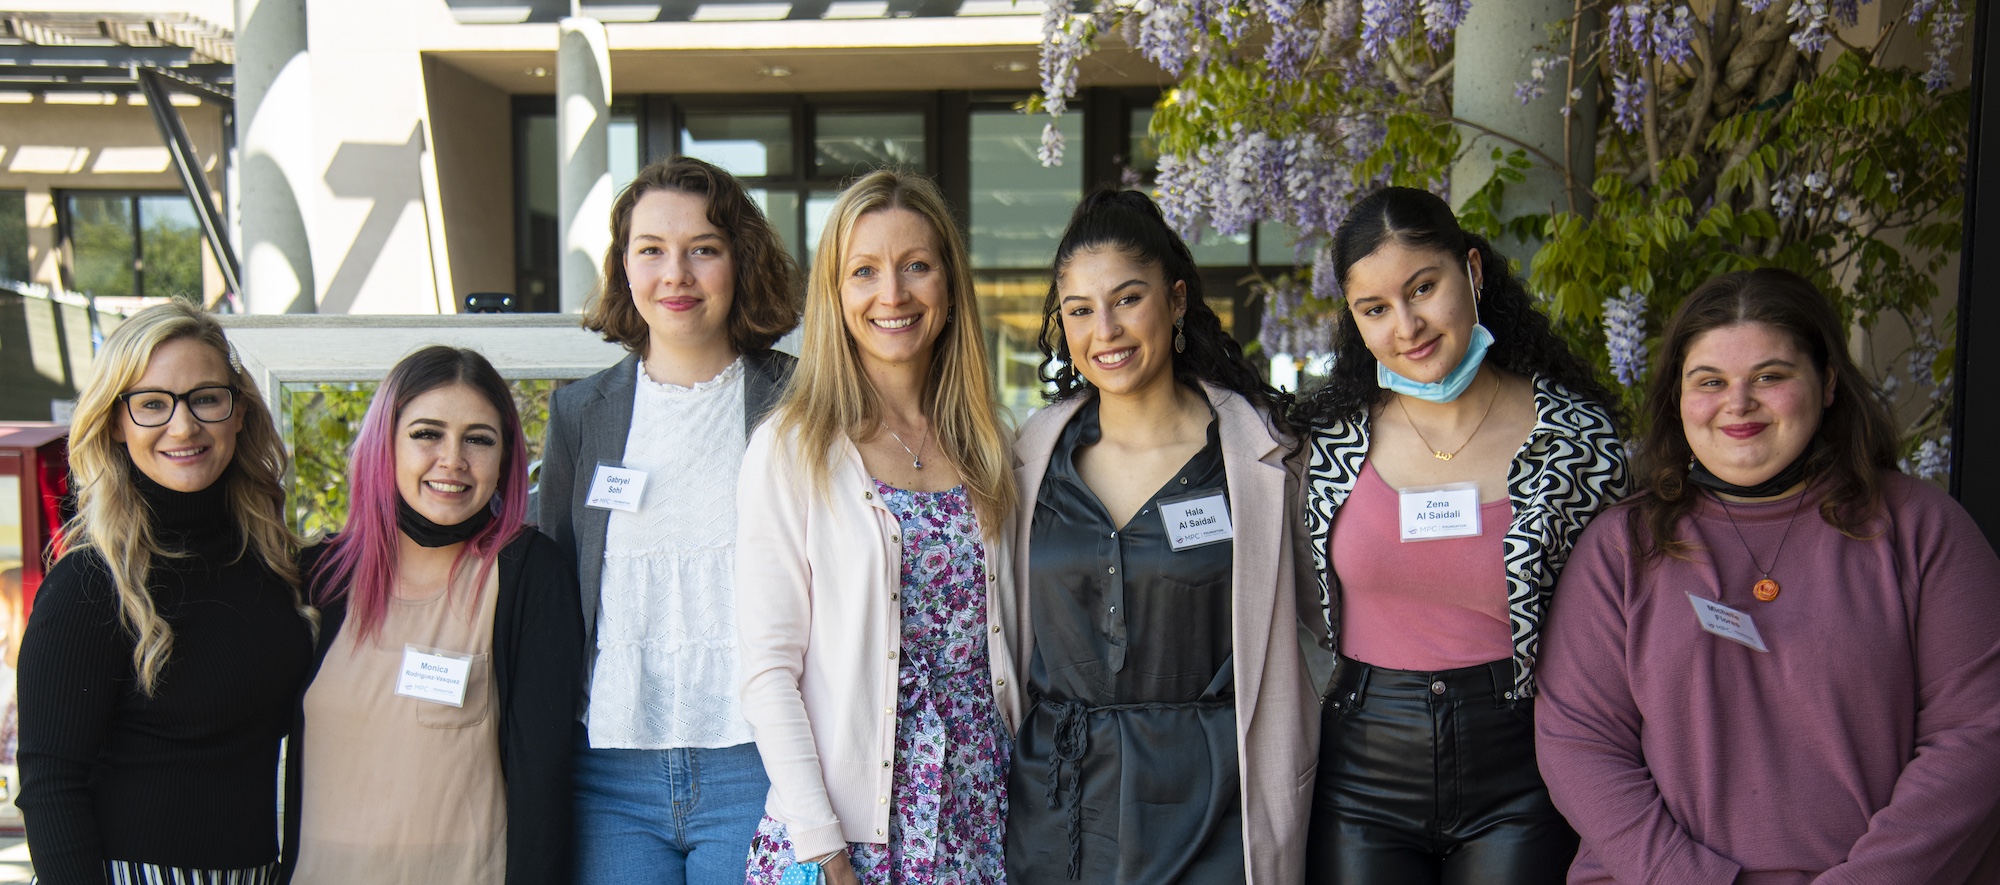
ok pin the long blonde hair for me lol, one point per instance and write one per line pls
(829, 396)
(111, 518)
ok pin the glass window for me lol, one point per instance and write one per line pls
(127, 244)
(748, 145)
(170, 247)
(781, 208)
(1216, 249)
(819, 205)
(1010, 307)
(848, 143)
(1276, 244)
(1019, 206)
(1142, 154)
(100, 243)
(623, 131)
(13, 235)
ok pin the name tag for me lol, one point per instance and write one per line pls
(1727, 622)
(616, 488)
(436, 676)
(1438, 512)
(1197, 519)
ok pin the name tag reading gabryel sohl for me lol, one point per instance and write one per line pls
(1196, 520)
(616, 488)
(1438, 512)
(433, 675)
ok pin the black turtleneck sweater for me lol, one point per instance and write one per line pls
(187, 777)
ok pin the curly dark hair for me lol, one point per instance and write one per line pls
(1128, 221)
(1856, 441)
(1523, 341)
(768, 298)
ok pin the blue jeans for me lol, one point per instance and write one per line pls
(666, 817)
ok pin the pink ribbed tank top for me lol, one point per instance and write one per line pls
(1424, 605)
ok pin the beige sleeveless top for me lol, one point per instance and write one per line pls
(398, 789)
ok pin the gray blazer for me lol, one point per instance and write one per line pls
(588, 423)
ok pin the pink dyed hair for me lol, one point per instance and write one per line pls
(360, 563)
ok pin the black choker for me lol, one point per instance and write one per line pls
(430, 534)
(1793, 474)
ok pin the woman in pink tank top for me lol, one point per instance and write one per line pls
(1454, 456)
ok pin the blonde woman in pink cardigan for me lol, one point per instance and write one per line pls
(873, 564)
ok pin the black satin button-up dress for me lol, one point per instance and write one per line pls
(1125, 769)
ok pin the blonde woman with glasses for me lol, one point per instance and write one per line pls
(167, 646)
(875, 510)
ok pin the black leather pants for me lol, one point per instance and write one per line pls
(1430, 779)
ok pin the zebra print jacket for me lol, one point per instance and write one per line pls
(1571, 467)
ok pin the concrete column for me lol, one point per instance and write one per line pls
(1509, 35)
(274, 126)
(583, 186)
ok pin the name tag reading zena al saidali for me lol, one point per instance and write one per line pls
(1437, 512)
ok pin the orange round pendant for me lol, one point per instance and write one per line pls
(1766, 590)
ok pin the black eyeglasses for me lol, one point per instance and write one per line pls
(154, 408)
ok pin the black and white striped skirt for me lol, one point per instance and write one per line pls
(129, 873)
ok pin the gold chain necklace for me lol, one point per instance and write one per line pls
(1438, 453)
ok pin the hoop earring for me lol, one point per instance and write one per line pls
(1180, 337)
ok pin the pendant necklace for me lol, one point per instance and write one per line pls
(916, 458)
(1765, 589)
(1438, 453)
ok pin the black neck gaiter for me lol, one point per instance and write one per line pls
(1793, 474)
(430, 534)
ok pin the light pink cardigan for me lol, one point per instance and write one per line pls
(818, 578)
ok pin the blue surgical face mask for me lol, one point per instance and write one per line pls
(1453, 384)
(1461, 376)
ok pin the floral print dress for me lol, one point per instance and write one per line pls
(952, 748)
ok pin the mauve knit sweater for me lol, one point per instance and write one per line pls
(1863, 748)
(189, 776)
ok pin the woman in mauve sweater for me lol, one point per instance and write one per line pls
(168, 643)
(1840, 722)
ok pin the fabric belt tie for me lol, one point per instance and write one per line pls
(1072, 741)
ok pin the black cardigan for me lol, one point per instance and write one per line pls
(537, 651)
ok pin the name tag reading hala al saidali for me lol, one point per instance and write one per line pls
(1197, 519)
(435, 676)
(1447, 511)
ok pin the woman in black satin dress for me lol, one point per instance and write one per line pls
(1156, 558)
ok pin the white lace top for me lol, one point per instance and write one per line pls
(666, 673)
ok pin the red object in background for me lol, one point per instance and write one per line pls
(38, 453)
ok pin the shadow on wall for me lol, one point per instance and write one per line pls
(386, 175)
(45, 351)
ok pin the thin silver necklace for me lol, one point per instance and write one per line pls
(916, 457)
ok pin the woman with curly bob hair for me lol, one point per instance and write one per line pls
(698, 286)
(167, 645)
(1453, 458)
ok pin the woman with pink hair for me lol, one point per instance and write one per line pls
(433, 742)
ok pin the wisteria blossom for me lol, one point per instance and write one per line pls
(1932, 461)
(1628, 95)
(1625, 334)
(1288, 326)
(1945, 25)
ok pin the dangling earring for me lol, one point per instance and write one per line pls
(1180, 337)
